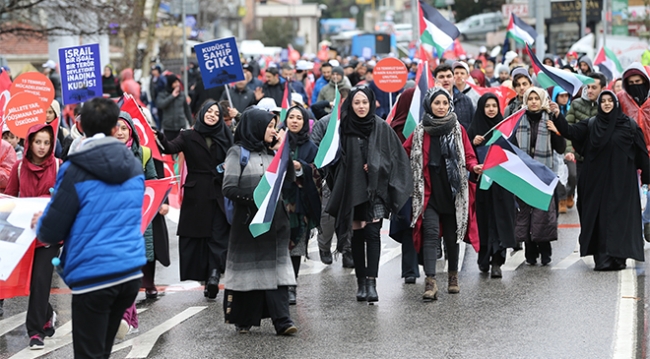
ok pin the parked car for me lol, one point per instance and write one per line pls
(403, 32)
(477, 26)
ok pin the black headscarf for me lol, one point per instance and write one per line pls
(433, 125)
(353, 125)
(605, 123)
(298, 139)
(170, 81)
(431, 95)
(219, 132)
(481, 124)
(251, 129)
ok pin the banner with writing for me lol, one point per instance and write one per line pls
(81, 75)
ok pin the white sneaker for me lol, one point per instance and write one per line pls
(132, 330)
(123, 330)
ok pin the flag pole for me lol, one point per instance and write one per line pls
(502, 121)
(228, 94)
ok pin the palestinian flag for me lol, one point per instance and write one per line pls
(608, 64)
(267, 192)
(519, 31)
(424, 81)
(520, 174)
(435, 30)
(286, 102)
(548, 76)
(391, 114)
(329, 145)
(507, 127)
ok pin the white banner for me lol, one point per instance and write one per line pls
(15, 233)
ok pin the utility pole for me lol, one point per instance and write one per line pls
(540, 42)
(183, 16)
(583, 19)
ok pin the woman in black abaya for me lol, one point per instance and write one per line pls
(608, 188)
(495, 207)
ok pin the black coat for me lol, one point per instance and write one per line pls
(609, 204)
(202, 188)
(159, 225)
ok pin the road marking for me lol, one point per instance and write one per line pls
(142, 345)
(11, 323)
(570, 260)
(626, 314)
(61, 338)
(513, 261)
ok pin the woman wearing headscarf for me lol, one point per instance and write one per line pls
(495, 207)
(370, 180)
(110, 84)
(440, 154)
(479, 77)
(608, 188)
(202, 226)
(301, 195)
(258, 270)
(127, 134)
(535, 227)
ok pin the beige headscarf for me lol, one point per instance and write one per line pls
(542, 96)
(56, 108)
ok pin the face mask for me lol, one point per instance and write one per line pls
(638, 92)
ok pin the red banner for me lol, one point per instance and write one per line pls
(503, 93)
(17, 285)
(154, 195)
(145, 132)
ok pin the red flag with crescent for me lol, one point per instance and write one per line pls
(154, 195)
(145, 133)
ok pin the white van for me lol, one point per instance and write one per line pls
(477, 26)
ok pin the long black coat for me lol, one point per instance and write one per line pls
(608, 191)
(202, 188)
(160, 232)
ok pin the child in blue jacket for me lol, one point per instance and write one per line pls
(96, 210)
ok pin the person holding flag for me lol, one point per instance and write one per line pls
(440, 155)
(34, 176)
(495, 207)
(610, 208)
(258, 269)
(127, 134)
(538, 228)
(301, 196)
(203, 227)
(370, 180)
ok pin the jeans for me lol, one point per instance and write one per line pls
(431, 240)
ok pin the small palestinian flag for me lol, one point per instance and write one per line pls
(329, 145)
(519, 31)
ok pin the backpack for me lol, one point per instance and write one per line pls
(146, 156)
(228, 205)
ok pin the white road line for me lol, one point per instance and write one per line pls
(626, 314)
(11, 323)
(513, 262)
(173, 214)
(570, 260)
(142, 345)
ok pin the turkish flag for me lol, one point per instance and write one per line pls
(503, 93)
(154, 195)
(5, 85)
(145, 133)
(17, 285)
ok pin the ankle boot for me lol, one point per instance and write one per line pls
(453, 286)
(212, 286)
(292, 295)
(430, 289)
(562, 208)
(496, 271)
(371, 287)
(362, 293)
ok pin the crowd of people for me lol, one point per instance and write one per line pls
(424, 182)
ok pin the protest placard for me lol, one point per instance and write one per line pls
(23, 111)
(35, 83)
(219, 62)
(16, 234)
(390, 74)
(81, 76)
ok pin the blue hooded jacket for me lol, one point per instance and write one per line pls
(564, 109)
(96, 210)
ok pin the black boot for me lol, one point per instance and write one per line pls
(292, 295)
(348, 261)
(362, 294)
(371, 287)
(212, 286)
(2, 311)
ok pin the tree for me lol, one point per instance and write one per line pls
(275, 32)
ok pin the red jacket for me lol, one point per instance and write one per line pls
(639, 114)
(7, 160)
(470, 162)
(34, 180)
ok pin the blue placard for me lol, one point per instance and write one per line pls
(219, 62)
(81, 73)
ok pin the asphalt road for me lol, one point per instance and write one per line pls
(565, 310)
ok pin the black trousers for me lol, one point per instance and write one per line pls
(96, 317)
(535, 249)
(39, 309)
(431, 240)
(366, 245)
(409, 256)
(249, 308)
(148, 275)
